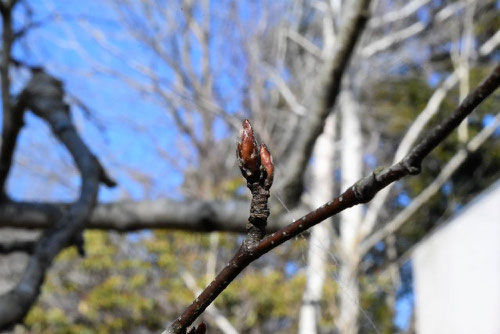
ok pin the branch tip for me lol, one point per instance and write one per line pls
(248, 158)
(266, 160)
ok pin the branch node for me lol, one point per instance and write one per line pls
(366, 188)
(412, 167)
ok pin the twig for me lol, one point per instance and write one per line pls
(404, 34)
(218, 318)
(408, 9)
(407, 142)
(257, 168)
(446, 172)
(361, 192)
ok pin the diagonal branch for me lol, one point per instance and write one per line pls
(407, 142)
(446, 172)
(361, 192)
(404, 34)
(44, 96)
(217, 317)
(408, 9)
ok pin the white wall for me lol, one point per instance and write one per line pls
(457, 272)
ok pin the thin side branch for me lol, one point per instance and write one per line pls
(361, 192)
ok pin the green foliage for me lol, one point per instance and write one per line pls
(103, 294)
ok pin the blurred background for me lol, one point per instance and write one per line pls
(158, 90)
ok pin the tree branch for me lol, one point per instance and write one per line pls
(12, 120)
(218, 318)
(25, 246)
(408, 9)
(44, 96)
(293, 183)
(405, 145)
(188, 215)
(404, 34)
(361, 192)
(446, 172)
(407, 142)
(257, 168)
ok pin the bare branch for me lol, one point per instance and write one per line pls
(446, 172)
(287, 93)
(408, 141)
(304, 43)
(44, 96)
(12, 120)
(361, 192)
(490, 44)
(25, 246)
(402, 35)
(392, 39)
(218, 318)
(258, 170)
(405, 145)
(409, 9)
(293, 183)
(187, 215)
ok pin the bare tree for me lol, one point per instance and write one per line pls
(333, 42)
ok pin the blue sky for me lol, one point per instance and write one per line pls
(125, 126)
(119, 109)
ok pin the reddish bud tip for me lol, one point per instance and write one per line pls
(266, 159)
(247, 149)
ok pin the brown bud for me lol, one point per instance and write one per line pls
(247, 151)
(266, 160)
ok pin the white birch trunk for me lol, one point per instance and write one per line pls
(350, 220)
(319, 241)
